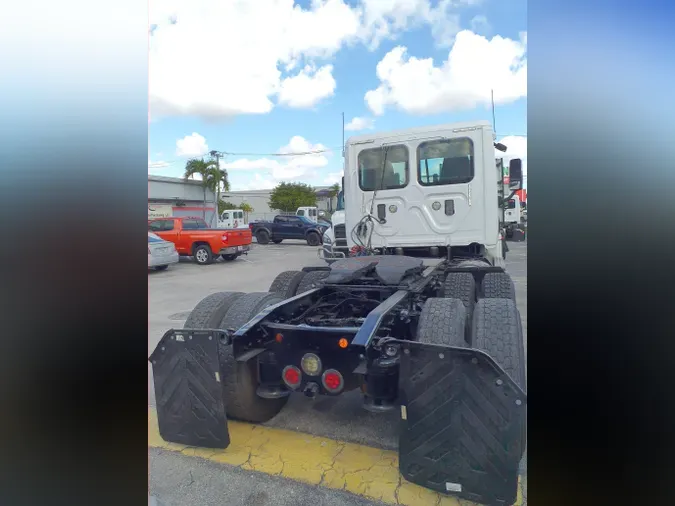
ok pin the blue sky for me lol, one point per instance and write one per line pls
(278, 78)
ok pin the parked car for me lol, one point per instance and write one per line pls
(161, 253)
(288, 227)
(193, 237)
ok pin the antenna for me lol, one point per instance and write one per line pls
(494, 122)
(343, 135)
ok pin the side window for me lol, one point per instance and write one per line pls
(384, 168)
(447, 161)
(155, 226)
(512, 204)
(240, 215)
(189, 225)
(301, 212)
(293, 220)
(200, 224)
(280, 219)
(312, 212)
(226, 216)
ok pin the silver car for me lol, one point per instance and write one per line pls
(161, 253)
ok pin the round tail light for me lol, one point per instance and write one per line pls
(311, 364)
(332, 381)
(292, 376)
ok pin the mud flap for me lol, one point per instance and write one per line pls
(463, 423)
(190, 403)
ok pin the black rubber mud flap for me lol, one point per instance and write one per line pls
(462, 423)
(190, 404)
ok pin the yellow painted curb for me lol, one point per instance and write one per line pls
(358, 469)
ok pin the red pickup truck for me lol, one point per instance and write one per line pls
(193, 237)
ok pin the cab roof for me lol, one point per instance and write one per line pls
(358, 139)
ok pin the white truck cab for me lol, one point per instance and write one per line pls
(429, 188)
(232, 218)
(513, 213)
(311, 213)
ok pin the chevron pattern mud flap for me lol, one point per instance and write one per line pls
(190, 404)
(463, 427)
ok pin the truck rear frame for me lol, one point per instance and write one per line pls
(408, 335)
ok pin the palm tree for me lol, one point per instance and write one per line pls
(213, 178)
(332, 192)
(246, 207)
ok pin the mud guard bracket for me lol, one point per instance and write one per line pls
(190, 402)
(463, 423)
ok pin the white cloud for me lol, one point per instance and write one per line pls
(217, 59)
(475, 65)
(285, 168)
(308, 87)
(192, 146)
(359, 123)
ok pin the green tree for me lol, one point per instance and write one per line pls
(223, 205)
(287, 197)
(213, 178)
(201, 167)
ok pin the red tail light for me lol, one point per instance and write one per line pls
(332, 381)
(292, 376)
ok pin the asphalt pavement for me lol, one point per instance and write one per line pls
(186, 481)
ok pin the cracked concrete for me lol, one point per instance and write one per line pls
(364, 471)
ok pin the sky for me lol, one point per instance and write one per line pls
(259, 79)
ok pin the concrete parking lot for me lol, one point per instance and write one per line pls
(179, 479)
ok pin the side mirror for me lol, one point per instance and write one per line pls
(516, 174)
(500, 147)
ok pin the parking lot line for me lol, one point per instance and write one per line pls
(361, 470)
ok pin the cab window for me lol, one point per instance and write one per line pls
(226, 216)
(447, 161)
(301, 212)
(384, 168)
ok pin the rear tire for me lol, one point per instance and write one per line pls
(442, 321)
(277, 241)
(229, 258)
(313, 239)
(462, 286)
(161, 267)
(498, 285)
(311, 281)
(262, 236)
(498, 331)
(240, 379)
(286, 284)
(202, 254)
(209, 312)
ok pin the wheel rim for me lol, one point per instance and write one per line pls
(201, 256)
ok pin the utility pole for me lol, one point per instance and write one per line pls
(216, 155)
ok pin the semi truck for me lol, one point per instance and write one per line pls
(439, 341)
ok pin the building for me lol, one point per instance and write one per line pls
(172, 196)
(259, 201)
